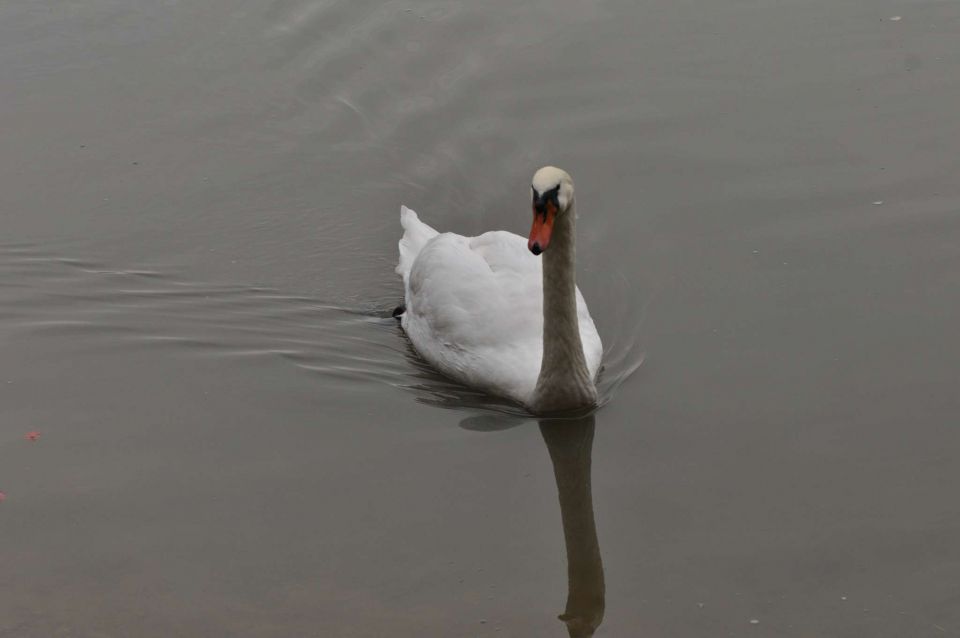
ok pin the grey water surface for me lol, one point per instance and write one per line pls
(199, 208)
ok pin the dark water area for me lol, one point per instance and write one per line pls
(199, 210)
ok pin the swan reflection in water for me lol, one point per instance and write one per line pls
(570, 444)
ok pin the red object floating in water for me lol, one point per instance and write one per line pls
(3, 497)
(32, 436)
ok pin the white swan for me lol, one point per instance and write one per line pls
(489, 313)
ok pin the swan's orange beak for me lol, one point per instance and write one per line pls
(543, 216)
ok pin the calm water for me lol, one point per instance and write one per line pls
(198, 224)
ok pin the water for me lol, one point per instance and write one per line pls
(199, 211)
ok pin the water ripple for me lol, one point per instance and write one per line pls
(99, 307)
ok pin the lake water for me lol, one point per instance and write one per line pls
(199, 210)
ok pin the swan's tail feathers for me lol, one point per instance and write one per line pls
(416, 234)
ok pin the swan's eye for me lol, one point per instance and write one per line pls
(551, 196)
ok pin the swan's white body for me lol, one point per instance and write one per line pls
(474, 308)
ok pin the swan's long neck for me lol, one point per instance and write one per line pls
(564, 382)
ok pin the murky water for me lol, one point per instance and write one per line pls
(198, 224)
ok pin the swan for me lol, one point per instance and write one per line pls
(490, 313)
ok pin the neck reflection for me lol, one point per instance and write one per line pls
(570, 443)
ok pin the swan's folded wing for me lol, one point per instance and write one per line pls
(476, 320)
(470, 302)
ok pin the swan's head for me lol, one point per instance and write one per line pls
(552, 197)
